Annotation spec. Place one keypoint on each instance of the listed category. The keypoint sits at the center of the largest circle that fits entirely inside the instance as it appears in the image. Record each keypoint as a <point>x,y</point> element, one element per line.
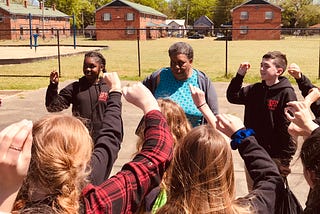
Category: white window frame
<point>106,17</point>
<point>243,30</point>
<point>268,15</point>
<point>130,16</point>
<point>1,17</point>
<point>130,31</point>
<point>244,15</point>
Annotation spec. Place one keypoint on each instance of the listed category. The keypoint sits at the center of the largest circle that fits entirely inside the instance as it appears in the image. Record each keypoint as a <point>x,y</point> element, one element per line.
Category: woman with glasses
<point>173,83</point>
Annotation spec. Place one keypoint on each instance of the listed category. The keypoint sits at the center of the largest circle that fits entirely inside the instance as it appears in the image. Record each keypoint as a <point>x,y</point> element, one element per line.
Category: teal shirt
<point>179,92</point>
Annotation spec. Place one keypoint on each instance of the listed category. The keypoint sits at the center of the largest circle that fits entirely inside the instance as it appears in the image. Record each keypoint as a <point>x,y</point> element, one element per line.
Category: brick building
<point>256,15</point>
<point>120,19</point>
<point>15,21</point>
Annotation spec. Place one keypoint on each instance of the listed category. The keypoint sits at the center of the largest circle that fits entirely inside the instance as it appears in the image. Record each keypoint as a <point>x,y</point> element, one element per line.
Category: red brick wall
<point>107,30</point>
<point>256,20</point>
<point>23,22</point>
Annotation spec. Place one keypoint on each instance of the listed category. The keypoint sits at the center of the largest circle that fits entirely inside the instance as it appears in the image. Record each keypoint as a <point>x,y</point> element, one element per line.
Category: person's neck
<point>272,82</point>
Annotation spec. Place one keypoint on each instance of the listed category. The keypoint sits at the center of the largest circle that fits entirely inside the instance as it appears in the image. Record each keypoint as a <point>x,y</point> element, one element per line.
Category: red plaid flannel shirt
<point>124,192</point>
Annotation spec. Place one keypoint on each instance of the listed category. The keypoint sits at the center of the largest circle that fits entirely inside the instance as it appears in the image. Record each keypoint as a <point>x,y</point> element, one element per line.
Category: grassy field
<point>209,56</point>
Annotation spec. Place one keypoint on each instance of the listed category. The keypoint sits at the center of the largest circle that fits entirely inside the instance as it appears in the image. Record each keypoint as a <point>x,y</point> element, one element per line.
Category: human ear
<point>279,71</point>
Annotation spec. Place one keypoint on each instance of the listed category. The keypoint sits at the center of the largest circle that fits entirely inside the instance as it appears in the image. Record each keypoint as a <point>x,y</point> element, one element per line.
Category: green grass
<point>209,56</point>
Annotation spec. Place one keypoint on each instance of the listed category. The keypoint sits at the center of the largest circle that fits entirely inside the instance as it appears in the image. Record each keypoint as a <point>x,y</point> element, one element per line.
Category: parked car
<point>221,36</point>
<point>196,36</point>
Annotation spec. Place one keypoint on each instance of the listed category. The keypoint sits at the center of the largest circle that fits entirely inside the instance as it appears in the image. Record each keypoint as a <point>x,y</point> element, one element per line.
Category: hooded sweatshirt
<point>264,113</point>
<point>88,101</point>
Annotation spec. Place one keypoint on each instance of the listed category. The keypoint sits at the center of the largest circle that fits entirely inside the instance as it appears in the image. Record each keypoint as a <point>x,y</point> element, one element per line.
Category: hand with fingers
<point>313,96</point>
<point>294,70</point>
<point>15,154</point>
<point>113,81</point>
<point>229,124</point>
<point>54,77</point>
<point>299,114</point>
<point>199,100</point>
<point>243,68</point>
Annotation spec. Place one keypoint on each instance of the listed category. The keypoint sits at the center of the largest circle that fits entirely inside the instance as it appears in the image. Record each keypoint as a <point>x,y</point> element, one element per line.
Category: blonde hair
<point>61,150</point>
<point>179,127</point>
<point>176,119</point>
<point>202,176</point>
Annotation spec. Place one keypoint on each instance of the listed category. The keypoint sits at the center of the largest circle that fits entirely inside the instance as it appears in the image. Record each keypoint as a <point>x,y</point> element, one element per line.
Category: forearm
<point>107,145</point>
<point>263,171</point>
<point>234,88</point>
<point>208,115</point>
<point>123,192</point>
<point>304,85</point>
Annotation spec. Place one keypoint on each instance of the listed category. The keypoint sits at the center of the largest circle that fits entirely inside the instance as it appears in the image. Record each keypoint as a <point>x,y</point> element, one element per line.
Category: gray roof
<point>139,7</point>
<point>19,9</point>
<point>255,2</point>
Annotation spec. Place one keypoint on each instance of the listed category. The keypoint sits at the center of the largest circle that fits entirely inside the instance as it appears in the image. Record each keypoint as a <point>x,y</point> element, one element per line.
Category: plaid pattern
<point>124,192</point>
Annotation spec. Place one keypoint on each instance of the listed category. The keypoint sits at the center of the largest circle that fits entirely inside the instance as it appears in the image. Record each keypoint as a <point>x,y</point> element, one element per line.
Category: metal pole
<point>319,59</point>
<point>59,62</point>
<point>138,41</point>
<point>74,32</point>
<point>30,29</point>
<point>43,36</point>
<point>226,53</point>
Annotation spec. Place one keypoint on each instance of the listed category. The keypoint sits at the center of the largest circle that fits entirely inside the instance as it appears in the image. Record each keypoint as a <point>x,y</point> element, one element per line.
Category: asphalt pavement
<point>18,105</point>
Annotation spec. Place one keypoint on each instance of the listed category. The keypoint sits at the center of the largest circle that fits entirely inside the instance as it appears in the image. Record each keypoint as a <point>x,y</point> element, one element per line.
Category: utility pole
<point>42,7</point>
<point>187,23</point>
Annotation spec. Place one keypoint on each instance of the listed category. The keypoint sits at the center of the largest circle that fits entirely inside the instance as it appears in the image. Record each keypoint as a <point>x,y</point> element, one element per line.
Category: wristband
<point>199,106</point>
<point>239,135</point>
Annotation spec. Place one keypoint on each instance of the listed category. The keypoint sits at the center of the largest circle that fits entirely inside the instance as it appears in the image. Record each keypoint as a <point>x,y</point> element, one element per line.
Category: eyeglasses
<point>178,64</point>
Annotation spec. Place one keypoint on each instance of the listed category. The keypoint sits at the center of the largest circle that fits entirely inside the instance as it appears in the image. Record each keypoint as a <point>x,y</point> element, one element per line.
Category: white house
<point>176,27</point>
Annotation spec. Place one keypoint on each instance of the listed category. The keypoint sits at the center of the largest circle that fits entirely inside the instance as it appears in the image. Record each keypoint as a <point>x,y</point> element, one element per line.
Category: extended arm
<point>124,192</point>
<point>263,171</point>
<point>199,100</point>
<point>235,91</point>
<point>110,136</point>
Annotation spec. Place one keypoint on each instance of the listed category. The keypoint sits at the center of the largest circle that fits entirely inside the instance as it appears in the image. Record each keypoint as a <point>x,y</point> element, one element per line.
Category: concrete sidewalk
<point>30,105</point>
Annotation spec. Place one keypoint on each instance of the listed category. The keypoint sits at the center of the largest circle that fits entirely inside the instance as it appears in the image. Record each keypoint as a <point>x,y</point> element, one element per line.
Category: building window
<point>244,15</point>
<point>130,17</point>
<point>130,30</point>
<point>243,29</point>
<point>269,15</point>
<point>1,17</point>
<point>106,17</point>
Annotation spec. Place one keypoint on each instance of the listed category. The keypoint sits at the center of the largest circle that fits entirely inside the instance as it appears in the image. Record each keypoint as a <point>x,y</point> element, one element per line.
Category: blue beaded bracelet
<point>239,135</point>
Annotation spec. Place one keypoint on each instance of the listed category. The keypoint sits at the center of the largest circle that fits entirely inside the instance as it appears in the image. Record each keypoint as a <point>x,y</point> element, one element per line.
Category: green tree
<point>190,10</point>
<point>221,11</point>
<point>299,13</point>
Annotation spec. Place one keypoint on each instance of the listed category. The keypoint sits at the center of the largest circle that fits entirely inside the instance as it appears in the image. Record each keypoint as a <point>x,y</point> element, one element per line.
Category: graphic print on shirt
<point>103,96</point>
<point>272,104</point>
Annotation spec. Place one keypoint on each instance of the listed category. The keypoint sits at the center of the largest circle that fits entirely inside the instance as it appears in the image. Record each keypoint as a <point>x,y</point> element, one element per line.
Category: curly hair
<point>181,48</point>
<point>59,164</point>
<point>100,58</point>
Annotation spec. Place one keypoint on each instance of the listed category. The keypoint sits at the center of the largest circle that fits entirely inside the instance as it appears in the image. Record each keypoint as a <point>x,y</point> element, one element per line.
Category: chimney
<point>25,3</point>
<point>54,7</point>
<point>8,3</point>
